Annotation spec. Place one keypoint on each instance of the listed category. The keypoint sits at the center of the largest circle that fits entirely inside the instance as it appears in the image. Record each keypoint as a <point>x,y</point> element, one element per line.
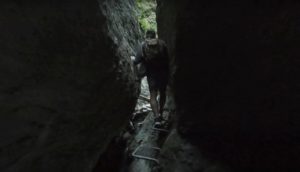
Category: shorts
<point>157,81</point>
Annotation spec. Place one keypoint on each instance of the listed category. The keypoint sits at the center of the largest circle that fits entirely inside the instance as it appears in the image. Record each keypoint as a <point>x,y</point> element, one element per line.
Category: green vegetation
<point>146,14</point>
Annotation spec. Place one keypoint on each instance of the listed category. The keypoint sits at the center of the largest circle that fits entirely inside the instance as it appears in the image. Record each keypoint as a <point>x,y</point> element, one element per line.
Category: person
<point>153,54</point>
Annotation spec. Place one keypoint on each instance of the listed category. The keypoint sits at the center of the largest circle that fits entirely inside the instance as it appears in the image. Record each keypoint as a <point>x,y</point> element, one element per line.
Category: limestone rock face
<point>67,84</point>
<point>236,84</point>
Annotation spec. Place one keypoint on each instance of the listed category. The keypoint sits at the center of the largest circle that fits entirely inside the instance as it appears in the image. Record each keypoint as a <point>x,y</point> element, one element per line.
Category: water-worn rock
<point>236,84</point>
<point>67,85</point>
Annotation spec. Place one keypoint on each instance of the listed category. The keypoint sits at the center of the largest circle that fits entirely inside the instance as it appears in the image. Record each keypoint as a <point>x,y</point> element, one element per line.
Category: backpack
<point>152,50</point>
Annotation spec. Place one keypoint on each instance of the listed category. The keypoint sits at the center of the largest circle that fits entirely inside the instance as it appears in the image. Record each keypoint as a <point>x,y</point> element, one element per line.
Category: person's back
<point>154,55</point>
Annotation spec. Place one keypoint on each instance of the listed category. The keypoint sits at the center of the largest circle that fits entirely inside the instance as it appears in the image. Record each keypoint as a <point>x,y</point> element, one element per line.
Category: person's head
<point>150,34</point>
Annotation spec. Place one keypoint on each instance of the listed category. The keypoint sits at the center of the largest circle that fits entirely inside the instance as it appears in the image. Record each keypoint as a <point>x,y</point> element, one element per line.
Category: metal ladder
<point>136,153</point>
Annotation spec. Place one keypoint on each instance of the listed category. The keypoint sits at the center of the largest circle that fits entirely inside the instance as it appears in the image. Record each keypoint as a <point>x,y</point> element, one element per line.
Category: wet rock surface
<point>66,80</point>
<point>235,86</point>
<point>145,144</point>
<point>144,140</point>
<point>143,102</point>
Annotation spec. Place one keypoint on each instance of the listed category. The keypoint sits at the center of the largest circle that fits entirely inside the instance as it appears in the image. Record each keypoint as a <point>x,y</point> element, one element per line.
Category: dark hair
<point>150,34</point>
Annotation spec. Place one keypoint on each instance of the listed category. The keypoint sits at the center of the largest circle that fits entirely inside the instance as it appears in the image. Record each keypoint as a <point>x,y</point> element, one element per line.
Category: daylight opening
<point>147,14</point>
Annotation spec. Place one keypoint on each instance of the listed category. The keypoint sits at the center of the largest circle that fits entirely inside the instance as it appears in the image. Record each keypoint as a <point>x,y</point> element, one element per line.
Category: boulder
<point>67,85</point>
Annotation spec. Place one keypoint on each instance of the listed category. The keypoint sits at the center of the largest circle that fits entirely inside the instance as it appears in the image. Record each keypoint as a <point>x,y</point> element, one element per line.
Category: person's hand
<point>132,58</point>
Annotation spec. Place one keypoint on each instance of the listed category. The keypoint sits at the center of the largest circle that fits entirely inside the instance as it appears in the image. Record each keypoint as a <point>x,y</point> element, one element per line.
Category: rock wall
<point>67,85</point>
<point>236,84</point>
<point>167,28</point>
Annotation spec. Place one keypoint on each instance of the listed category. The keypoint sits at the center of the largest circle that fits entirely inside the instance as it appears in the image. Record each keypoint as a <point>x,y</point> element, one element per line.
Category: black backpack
<point>152,51</point>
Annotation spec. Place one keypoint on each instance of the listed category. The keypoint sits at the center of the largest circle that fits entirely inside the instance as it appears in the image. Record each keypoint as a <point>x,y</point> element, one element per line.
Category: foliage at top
<point>146,14</point>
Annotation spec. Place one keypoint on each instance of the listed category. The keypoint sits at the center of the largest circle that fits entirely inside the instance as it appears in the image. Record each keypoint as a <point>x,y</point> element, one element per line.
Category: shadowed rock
<point>67,85</point>
<point>236,84</point>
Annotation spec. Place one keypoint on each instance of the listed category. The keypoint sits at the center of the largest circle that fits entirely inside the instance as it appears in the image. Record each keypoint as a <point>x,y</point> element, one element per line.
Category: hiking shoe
<point>158,121</point>
<point>157,124</point>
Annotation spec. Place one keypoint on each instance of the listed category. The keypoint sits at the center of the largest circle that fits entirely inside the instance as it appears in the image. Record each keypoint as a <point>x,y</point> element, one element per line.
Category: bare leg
<point>153,102</point>
<point>162,101</point>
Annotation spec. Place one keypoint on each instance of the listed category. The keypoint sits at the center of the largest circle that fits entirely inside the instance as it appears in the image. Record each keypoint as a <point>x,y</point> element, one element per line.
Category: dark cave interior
<point>68,86</point>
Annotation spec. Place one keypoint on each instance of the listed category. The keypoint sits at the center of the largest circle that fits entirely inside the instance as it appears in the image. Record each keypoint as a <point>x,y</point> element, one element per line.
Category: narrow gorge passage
<point>70,98</point>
